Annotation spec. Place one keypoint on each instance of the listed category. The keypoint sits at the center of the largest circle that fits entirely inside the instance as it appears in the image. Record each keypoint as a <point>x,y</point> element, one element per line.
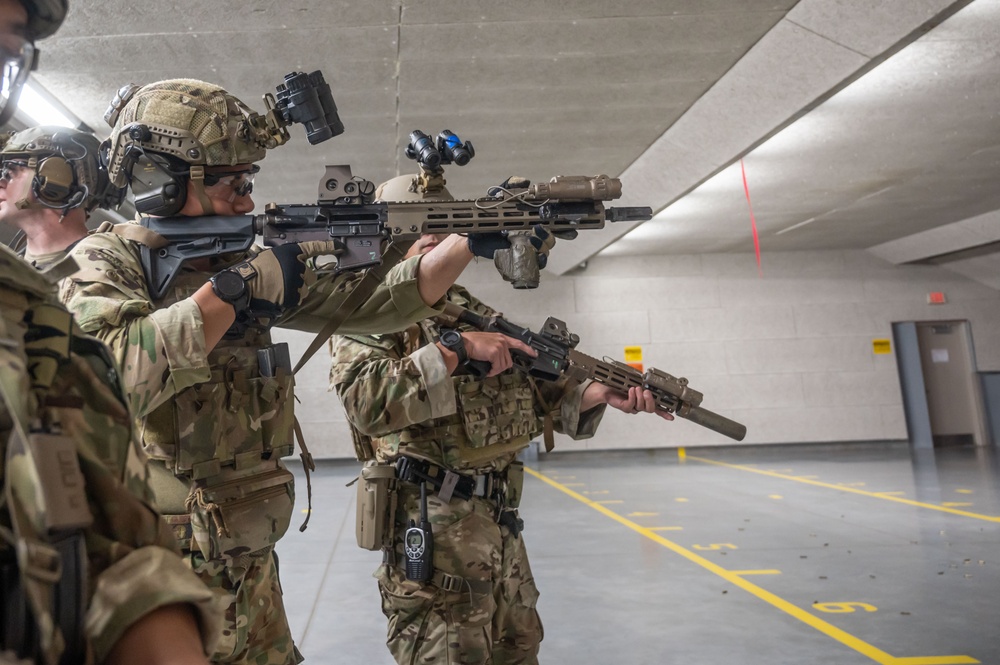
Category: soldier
<point>85,567</point>
<point>410,408</point>
<point>212,395</point>
<point>51,179</point>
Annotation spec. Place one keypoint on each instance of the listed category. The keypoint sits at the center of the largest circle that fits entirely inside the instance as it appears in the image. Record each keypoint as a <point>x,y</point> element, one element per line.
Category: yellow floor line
<point>876,495</point>
<point>735,579</point>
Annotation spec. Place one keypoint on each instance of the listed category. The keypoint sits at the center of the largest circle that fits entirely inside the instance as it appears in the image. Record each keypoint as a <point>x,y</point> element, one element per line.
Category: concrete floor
<point>833,554</point>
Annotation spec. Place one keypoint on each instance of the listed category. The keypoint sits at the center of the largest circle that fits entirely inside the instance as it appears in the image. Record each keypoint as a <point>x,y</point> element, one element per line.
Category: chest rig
<point>45,367</point>
<point>495,418</point>
<point>222,441</point>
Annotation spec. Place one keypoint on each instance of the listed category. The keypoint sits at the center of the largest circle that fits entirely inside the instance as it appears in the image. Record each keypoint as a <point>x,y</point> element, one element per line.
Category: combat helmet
<point>45,16</point>
<point>167,132</point>
<point>67,168</point>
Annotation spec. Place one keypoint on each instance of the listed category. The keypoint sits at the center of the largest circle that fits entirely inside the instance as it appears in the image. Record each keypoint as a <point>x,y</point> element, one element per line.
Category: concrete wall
<point>789,355</point>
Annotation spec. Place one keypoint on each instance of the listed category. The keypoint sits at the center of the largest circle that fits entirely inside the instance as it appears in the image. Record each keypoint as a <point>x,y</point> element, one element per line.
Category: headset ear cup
<point>54,180</point>
<point>157,189</point>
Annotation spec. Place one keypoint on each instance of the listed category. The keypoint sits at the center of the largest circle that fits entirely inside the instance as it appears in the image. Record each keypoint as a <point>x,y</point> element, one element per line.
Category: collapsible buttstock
<point>716,423</point>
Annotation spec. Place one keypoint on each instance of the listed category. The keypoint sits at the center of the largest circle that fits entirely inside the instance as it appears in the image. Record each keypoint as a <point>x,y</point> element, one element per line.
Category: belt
<point>447,482</point>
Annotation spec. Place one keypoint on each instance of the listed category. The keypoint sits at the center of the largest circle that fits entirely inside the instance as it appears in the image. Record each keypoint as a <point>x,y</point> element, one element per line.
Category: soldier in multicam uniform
<point>407,408</point>
<point>86,569</point>
<point>51,179</point>
<point>212,417</point>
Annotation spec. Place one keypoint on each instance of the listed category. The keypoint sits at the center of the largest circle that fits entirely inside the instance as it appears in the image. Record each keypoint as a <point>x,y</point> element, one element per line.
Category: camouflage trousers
<point>491,619</point>
<point>255,630</point>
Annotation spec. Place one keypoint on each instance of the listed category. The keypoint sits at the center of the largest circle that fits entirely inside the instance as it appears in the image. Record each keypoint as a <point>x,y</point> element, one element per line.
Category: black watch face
<point>451,338</point>
<point>229,286</point>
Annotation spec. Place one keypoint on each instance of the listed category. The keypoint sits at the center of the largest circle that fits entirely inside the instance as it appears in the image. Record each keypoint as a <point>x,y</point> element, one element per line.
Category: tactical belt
<point>448,483</point>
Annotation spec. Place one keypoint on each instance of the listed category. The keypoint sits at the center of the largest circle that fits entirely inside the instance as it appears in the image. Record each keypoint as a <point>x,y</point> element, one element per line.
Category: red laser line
<point>753,222</point>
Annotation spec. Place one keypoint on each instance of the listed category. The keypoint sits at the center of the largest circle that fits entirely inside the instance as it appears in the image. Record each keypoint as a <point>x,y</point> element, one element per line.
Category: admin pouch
<point>240,512</point>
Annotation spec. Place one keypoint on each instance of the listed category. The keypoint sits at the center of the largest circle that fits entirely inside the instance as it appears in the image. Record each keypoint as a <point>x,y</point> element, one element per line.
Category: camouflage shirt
<point>56,381</point>
<point>160,345</point>
<point>397,392</point>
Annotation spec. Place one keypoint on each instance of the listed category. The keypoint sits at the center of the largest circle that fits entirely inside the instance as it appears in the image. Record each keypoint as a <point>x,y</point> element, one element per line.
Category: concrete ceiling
<point>860,123</point>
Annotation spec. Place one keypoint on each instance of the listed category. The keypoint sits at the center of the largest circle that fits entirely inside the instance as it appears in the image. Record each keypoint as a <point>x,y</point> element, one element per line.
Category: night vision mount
<point>448,149</point>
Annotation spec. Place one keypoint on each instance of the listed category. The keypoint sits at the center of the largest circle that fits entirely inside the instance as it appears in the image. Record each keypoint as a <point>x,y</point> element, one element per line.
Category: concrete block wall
<point>788,354</point>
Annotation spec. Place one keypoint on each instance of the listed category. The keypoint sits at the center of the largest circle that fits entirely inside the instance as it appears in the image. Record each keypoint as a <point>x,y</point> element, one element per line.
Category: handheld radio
<point>418,544</point>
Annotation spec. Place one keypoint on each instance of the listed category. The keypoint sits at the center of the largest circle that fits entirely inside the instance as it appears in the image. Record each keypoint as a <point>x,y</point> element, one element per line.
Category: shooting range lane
<point>847,576</point>
<point>780,554</point>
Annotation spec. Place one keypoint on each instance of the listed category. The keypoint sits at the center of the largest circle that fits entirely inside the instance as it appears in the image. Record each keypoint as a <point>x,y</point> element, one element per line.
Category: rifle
<point>557,356</point>
<point>364,230</point>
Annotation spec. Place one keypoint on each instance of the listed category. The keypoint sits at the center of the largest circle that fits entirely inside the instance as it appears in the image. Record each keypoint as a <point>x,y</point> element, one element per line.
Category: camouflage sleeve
<point>383,391</point>
<point>395,304</point>
<point>160,351</point>
<point>134,566</point>
<point>144,580</point>
<point>562,401</point>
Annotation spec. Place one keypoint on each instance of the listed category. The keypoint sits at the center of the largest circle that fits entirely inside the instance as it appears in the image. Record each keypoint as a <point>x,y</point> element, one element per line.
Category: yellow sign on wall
<point>881,347</point>
<point>633,354</point>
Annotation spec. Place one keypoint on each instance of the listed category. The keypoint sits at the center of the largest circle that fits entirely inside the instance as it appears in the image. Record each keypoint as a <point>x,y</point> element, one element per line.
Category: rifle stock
<point>557,356</point>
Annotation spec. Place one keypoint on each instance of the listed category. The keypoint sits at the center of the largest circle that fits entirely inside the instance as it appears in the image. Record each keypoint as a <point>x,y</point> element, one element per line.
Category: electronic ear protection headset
<point>67,170</point>
<point>158,181</point>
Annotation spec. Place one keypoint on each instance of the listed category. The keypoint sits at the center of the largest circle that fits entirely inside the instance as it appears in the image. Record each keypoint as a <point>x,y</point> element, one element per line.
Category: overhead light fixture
<point>36,106</point>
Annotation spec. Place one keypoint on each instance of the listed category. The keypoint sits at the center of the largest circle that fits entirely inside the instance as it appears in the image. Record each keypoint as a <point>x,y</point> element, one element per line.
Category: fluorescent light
<point>41,111</point>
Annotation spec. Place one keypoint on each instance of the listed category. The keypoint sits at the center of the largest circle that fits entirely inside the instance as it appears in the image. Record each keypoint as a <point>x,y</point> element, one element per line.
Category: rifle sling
<point>359,294</point>
<point>135,233</point>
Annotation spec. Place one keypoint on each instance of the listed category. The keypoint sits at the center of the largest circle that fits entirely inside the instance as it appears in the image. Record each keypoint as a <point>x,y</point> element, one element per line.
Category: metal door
<point>949,372</point>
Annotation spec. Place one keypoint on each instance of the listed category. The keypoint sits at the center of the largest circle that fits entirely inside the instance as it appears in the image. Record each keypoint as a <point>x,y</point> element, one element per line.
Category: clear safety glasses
<point>17,57</point>
<point>10,167</point>
<point>241,182</point>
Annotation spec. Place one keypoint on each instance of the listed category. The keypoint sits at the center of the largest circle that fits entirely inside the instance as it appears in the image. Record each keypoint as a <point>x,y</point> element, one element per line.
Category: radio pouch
<point>376,507</point>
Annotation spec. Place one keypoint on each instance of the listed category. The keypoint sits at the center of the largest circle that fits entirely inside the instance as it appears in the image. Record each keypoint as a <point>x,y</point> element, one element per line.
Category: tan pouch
<point>515,484</point>
<point>243,514</point>
<point>376,506</point>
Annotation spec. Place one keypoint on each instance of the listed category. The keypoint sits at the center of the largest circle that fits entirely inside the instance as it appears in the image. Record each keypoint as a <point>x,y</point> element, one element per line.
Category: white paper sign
<point>939,355</point>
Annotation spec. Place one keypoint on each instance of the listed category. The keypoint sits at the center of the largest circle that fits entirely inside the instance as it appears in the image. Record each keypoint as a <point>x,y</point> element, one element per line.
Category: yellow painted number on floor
<point>843,608</point>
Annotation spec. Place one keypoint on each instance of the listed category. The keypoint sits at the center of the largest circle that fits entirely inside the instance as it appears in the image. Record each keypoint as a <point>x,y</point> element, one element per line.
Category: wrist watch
<point>231,288</point>
<point>452,340</point>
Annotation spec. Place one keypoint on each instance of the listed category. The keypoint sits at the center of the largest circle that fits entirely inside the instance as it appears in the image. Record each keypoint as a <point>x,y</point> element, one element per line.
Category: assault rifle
<point>557,356</point>
<point>365,230</point>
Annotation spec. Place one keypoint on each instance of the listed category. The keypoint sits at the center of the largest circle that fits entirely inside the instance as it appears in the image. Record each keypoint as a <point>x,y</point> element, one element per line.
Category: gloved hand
<point>487,244</point>
<point>278,277</point>
<point>540,239</point>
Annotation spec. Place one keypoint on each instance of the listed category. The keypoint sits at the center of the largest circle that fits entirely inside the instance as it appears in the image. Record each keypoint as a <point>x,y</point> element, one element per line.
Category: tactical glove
<point>277,278</point>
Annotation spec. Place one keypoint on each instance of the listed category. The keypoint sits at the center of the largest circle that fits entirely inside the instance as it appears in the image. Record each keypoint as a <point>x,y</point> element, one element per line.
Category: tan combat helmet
<point>413,188</point>
<point>67,168</point>
<point>167,132</point>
